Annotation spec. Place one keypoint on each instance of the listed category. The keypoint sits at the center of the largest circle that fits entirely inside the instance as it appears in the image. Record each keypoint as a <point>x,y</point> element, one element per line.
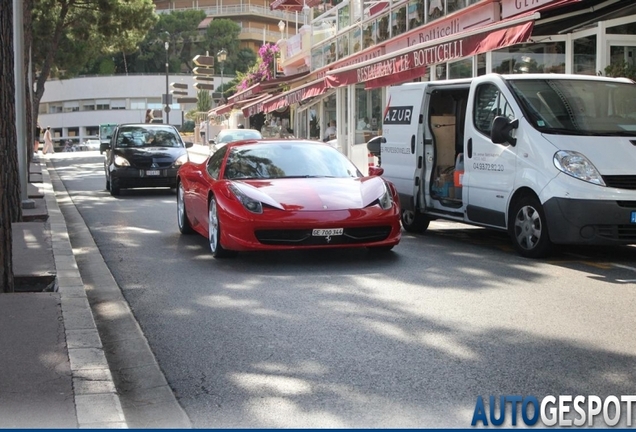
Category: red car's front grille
<point>303,237</point>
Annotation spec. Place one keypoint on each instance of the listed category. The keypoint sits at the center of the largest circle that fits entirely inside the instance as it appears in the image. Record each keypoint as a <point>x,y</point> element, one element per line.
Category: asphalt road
<point>348,339</point>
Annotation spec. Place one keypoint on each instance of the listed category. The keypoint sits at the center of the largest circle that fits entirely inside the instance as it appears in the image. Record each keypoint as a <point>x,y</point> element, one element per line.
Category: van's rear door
<point>401,127</point>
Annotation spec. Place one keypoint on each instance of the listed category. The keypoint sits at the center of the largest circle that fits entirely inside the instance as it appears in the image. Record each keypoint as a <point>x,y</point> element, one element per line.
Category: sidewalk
<point>54,372</point>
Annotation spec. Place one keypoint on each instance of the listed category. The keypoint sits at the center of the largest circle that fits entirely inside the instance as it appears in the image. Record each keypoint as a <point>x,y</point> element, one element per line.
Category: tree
<point>224,34</point>
<point>67,34</point>
<point>8,146</point>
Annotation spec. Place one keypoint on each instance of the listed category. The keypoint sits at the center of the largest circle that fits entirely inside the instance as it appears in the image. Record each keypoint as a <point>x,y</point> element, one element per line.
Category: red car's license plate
<point>327,232</point>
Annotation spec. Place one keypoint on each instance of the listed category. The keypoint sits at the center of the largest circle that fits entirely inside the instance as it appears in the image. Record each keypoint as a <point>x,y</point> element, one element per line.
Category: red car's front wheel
<point>214,233</point>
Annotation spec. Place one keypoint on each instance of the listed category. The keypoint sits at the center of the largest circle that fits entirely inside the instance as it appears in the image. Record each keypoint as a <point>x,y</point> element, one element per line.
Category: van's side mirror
<point>501,132</point>
<point>374,145</point>
<point>376,171</point>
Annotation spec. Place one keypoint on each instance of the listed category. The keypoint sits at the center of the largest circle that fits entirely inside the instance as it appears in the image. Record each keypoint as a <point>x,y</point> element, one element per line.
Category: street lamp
<point>167,100</point>
<point>221,56</point>
<point>281,27</point>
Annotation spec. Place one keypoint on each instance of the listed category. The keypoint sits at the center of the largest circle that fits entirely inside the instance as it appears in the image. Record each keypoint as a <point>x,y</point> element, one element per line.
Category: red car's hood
<point>315,194</point>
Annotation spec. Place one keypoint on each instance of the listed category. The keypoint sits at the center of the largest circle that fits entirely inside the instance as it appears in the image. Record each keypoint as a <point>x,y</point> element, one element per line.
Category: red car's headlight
<point>386,200</point>
<point>250,204</point>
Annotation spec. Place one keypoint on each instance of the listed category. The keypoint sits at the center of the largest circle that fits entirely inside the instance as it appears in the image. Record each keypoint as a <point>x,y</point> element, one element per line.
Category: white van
<point>549,158</point>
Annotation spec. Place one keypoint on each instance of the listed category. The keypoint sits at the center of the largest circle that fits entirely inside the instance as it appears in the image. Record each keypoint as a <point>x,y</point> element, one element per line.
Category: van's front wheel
<point>414,221</point>
<point>528,228</point>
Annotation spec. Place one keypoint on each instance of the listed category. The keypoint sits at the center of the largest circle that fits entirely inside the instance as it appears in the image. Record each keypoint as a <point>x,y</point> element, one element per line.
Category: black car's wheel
<point>115,189</point>
<point>214,233</point>
<point>414,221</point>
<point>182,215</point>
<point>528,228</point>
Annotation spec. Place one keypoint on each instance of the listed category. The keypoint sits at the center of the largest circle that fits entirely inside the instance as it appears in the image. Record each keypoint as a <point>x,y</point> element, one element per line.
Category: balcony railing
<point>232,10</point>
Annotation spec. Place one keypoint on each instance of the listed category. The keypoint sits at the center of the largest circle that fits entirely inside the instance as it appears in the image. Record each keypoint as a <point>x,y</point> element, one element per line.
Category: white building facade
<point>75,108</point>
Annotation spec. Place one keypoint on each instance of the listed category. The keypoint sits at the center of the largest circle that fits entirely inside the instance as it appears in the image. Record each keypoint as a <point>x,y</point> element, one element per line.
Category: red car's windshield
<point>287,160</point>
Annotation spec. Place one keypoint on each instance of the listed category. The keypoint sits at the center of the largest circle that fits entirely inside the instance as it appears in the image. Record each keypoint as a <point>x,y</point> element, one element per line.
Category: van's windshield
<point>578,106</point>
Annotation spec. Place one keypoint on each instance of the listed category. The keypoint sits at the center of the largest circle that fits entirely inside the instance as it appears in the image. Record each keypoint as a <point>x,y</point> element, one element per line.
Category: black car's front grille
<point>151,163</point>
<point>303,237</point>
<point>617,232</point>
<point>620,181</point>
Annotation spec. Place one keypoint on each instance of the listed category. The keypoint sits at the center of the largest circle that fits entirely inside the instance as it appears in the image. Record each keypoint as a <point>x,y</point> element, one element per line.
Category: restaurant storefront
<point>359,62</point>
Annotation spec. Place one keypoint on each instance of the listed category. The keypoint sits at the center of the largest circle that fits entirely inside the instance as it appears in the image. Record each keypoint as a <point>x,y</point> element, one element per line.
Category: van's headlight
<point>181,160</point>
<point>121,161</point>
<point>578,166</point>
<point>386,200</point>
<point>250,204</point>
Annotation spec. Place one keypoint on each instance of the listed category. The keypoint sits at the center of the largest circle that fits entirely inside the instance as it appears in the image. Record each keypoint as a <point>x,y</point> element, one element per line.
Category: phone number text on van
<point>488,167</point>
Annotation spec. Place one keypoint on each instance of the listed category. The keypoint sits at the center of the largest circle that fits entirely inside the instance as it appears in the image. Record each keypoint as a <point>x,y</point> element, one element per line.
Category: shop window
<point>530,58</point>
<point>435,10</point>
<point>317,58</point>
<point>481,64</point>
<point>343,46</point>
<point>329,53</point>
<point>355,41</point>
<point>383,29</point>
<point>585,55</point>
<point>415,13</point>
<point>368,35</point>
<point>455,5</point>
<point>626,29</point>
<point>398,21</point>
<point>461,69</point>
<point>343,17</point>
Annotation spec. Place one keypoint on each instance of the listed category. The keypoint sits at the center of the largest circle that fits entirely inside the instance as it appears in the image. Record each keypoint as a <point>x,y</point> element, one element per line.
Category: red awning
<point>264,86</point>
<point>411,62</point>
<point>296,95</point>
<point>255,105</point>
<point>293,5</point>
<point>222,109</point>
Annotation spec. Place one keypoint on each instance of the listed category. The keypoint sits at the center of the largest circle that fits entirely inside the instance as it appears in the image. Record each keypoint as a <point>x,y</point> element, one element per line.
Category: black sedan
<point>143,155</point>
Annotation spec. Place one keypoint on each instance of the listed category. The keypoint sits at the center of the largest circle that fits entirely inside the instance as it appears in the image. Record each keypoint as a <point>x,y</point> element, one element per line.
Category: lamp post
<point>221,56</point>
<point>281,27</point>
<point>167,96</point>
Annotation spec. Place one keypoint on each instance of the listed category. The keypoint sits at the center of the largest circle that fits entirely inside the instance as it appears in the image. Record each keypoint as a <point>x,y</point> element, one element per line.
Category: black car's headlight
<point>181,160</point>
<point>250,204</point>
<point>121,161</point>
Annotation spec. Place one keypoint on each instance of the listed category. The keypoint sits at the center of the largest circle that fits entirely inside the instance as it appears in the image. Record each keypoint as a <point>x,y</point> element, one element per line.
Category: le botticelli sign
<point>411,63</point>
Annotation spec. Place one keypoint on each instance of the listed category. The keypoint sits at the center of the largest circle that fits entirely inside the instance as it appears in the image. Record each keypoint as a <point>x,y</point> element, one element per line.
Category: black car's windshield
<point>287,160</point>
<point>578,106</point>
<point>147,136</point>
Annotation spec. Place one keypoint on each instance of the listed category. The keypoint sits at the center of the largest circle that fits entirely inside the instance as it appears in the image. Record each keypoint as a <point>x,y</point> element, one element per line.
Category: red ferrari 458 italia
<point>285,194</point>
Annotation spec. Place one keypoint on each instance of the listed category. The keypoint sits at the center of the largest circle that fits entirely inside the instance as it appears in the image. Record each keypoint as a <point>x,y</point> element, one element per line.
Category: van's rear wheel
<point>528,228</point>
<point>414,221</point>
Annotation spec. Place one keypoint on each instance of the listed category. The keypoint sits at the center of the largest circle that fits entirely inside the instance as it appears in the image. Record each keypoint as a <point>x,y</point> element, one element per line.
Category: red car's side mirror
<point>376,171</point>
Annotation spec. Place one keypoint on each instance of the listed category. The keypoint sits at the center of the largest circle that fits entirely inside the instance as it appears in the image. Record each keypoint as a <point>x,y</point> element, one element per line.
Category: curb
<point>146,398</point>
<point>97,403</point>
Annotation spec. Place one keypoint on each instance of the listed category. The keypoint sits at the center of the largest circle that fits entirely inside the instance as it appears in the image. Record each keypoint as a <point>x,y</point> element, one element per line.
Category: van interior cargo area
<point>447,113</point>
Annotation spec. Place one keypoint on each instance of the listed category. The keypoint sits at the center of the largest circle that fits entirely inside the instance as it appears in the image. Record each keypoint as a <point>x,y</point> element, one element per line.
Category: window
<point>118,104</point>
<point>55,108</point>
<point>88,106</point>
<point>137,104</point>
<point>71,106</point>
<point>102,104</point>
<point>585,55</point>
<point>214,164</point>
<point>490,103</point>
